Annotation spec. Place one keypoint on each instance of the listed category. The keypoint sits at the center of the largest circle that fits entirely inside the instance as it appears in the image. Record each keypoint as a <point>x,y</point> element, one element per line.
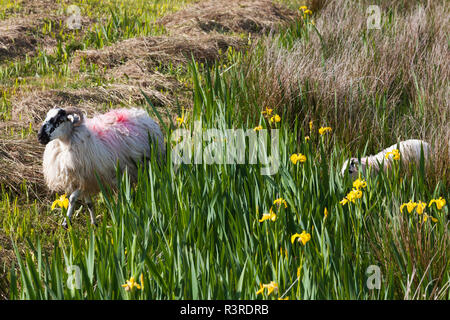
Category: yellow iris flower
<point>439,203</point>
<point>269,216</point>
<point>358,184</point>
<point>280,201</point>
<point>267,112</point>
<point>395,154</point>
<point>409,206</point>
<point>275,118</point>
<point>62,202</point>
<point>181,120</point>
<point>131,284</point>
<point>302,237</point>
<point>323,130</point>
<point>420,206</point>
<point>271,287</point>
<point>425,218</point>
<point>298,158</point>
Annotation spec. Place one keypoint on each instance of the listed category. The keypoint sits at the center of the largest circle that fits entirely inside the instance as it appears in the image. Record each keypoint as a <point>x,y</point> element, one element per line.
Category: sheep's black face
<point>353,167</point>
<point>55,117</point>
<point>350,166</point>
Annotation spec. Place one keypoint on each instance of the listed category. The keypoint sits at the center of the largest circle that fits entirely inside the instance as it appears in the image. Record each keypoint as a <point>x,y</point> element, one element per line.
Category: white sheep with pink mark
<point>79,149</point>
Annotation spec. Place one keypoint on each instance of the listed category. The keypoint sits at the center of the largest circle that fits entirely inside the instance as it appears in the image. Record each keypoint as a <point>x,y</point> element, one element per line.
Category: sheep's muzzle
<point>43,136</point>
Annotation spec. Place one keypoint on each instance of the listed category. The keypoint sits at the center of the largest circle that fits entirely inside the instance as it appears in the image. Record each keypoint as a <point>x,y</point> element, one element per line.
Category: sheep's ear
<point>75,119</point>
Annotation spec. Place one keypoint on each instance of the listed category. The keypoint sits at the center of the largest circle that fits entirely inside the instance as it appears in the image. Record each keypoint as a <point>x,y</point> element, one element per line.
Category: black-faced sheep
<point>409,152</point>
<point>79,149</point>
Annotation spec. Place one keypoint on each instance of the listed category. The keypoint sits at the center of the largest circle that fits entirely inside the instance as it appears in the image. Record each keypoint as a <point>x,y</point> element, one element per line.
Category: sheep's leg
<point>72,200</point>
<point>90,206</point>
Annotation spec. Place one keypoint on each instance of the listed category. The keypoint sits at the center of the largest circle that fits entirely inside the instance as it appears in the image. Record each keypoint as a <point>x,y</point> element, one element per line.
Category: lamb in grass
<point>80,149</point>
<point>409,152</point>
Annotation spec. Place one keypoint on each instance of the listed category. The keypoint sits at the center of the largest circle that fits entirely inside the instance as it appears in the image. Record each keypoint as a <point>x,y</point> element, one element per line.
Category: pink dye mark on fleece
<point>107,125</point>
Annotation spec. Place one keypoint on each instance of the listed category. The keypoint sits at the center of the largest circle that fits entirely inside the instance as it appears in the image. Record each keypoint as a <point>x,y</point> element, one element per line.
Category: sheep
<point>410,152</point>
<point>79,149</point>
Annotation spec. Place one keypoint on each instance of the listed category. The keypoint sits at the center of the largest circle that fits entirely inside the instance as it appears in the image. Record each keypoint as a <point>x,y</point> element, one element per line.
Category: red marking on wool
<point>102,124</point>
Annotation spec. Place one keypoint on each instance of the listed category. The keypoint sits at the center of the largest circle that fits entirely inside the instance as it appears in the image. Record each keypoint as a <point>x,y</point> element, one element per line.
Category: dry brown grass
<point>147,53</point>
<point>375,86</point>
<point>256,16</point>
<point>16,38</point>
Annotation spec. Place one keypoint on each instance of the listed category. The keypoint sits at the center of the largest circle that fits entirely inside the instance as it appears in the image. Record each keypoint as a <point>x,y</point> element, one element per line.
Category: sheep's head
<point>351,166</point>
<point>58,124</point>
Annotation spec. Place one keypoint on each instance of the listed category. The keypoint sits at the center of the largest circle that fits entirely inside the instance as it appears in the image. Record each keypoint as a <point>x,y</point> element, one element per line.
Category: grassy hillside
<point>197,231</point>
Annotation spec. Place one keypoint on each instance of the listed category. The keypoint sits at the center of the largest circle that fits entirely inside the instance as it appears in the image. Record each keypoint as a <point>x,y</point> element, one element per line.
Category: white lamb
<point>410,152</point>
<point>79,150</point>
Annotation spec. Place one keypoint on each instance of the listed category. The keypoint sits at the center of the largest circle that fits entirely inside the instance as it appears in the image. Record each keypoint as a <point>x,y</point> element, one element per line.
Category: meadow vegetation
<point>333,89</point>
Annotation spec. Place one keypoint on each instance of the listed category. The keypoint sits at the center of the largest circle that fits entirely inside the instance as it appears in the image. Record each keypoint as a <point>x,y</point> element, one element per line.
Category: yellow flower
<point>303,8</point>
<point>420,206</point>
<point>181,120</point>
<point>62,202</point>
<point>261,289</point>
<point>425,218</point>
<point>141,278</point>
<point>409,206</point>
<point>325,212</point>
<point>275,118</point>
<point>323,130</point>
<point>257,128</point>
<point>280,201</point>
<point>298,272</point>
<point>269,216</point>
<point>298,158</point>
<point>302,237</point>
<point>267,112</point>
<point>395,154</point>
<point>271,287</point>
<point>310,126</point>
<point>307,12</point>
<point>353,195</point>
<point>343,201</point>
<point>439,203</point>
<point>307,138</point>
<point>287,298</point>
<point>131,284</point>
<point>358,183</point>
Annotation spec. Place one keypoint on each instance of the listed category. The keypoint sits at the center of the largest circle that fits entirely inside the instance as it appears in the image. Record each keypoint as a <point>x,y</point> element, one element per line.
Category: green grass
<point>194,233</point>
